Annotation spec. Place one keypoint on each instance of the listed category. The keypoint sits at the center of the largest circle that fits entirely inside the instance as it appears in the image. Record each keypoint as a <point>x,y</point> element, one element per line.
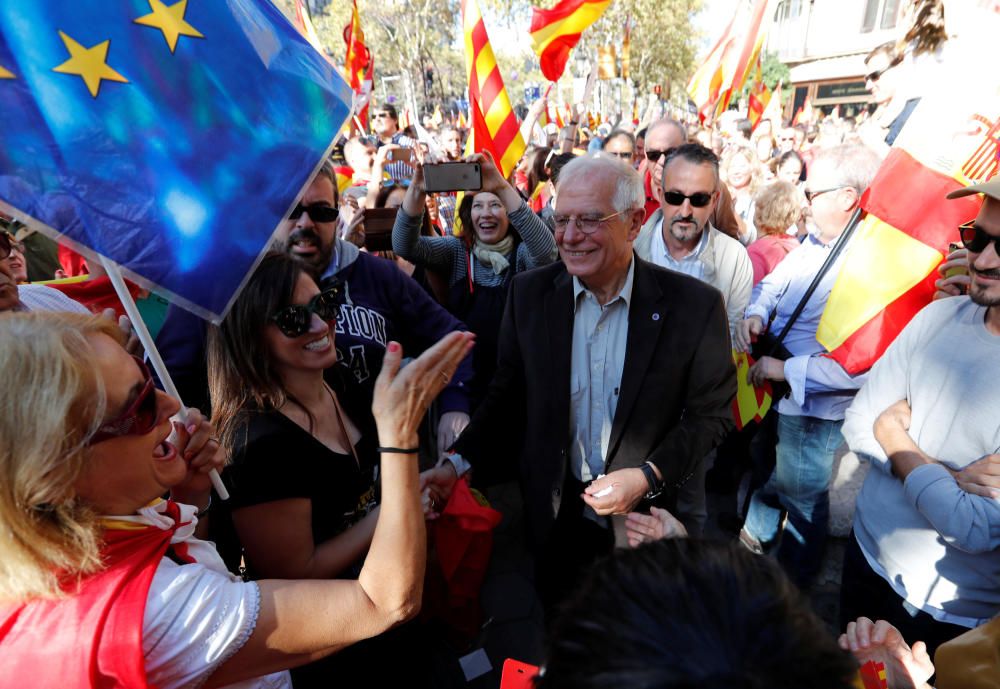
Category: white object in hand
<point>603,491</point>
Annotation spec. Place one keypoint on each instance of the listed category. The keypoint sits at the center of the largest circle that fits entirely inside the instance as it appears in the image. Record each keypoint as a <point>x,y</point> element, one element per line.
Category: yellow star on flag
<point>5,73</point>
<point>88,63</point>
<point>170,20</point>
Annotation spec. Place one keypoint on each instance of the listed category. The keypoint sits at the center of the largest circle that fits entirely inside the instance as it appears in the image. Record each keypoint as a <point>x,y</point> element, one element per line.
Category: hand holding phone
<point>440,177</point>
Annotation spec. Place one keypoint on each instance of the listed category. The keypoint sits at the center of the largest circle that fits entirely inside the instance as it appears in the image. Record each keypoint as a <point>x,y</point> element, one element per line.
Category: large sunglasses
<point>141,416</point>
<point>652,155</point>
<point>699,199</point>
<point>295,320</point>
<point>976,239</point>
<point>317,212</point>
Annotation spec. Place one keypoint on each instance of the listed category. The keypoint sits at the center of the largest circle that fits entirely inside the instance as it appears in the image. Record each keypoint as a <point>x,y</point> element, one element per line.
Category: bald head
<point>661,136</point>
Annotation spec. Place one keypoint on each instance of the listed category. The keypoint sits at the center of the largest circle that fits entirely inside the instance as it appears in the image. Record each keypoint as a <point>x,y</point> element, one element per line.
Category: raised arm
<point>438,253</point>
<point>300,621</point>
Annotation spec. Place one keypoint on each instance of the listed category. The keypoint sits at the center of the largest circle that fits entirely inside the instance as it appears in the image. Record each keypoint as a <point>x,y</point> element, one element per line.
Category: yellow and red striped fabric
<point>494,125</point>
<point>751,403</point>
<point>357,53</point>
<point>890,266</point>
<point>555,32</point>
<point>760,96</point>
<point>725,70</point>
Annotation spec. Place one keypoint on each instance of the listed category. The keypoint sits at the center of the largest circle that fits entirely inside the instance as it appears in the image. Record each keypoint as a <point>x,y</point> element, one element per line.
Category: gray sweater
<point>936,545</point>
<point>449,255</point>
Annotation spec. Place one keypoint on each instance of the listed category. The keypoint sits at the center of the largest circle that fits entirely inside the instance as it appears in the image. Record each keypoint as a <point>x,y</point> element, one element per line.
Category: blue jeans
<point>800,485</point>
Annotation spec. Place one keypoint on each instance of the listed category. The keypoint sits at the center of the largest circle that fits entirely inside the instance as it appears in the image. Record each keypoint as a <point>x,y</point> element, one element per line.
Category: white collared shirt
<point>689,265</point>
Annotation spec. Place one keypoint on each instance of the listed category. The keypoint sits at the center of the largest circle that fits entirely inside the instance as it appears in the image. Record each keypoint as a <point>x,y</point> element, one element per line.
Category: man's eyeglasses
<point>624,155</point>
<point>810,195</point>
<point>699,199</point>
<point>652,155</point>
<point>294,320</point>
<point>976,239</point>
<point>317,212</point>
<point>139,419</point>
<point>5,246</point>
<point>381,115</point>
<point>587,224</point>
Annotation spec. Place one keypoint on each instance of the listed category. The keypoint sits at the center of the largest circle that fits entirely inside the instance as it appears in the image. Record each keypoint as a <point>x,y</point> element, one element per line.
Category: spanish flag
<point>891,264</point>
<point>555,32</point>
<point>494,125</point>
<point>751,403</point>
<point>725,70</point>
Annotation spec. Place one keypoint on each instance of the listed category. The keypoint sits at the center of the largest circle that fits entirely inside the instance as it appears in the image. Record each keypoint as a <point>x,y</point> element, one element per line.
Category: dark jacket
<point>677,387</point>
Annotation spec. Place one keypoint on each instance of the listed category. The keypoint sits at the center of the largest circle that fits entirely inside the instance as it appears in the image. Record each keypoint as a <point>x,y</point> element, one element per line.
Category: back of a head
<point>686,614</point>
<point>557,163</point>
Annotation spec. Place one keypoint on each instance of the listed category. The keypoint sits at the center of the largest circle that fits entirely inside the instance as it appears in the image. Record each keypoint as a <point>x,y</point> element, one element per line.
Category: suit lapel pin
<point>656,316</point>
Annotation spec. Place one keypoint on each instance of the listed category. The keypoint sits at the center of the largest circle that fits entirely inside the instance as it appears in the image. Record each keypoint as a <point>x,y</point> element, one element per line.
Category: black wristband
<point>397,450</point>
<point>654,485</point>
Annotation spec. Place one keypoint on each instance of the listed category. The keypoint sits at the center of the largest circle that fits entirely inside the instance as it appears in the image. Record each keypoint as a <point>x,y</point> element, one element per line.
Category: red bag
<point>461,540</point>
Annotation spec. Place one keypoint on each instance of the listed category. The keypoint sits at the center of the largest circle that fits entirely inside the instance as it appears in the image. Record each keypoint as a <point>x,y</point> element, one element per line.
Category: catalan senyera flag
<point>751,403</point>
<point>494,125</point>
<point>890,266</point>
<point>356,60</point>
<point>760,96</point>
<point>729,63</point>
<point>558,118</point>
<point>555,32</point>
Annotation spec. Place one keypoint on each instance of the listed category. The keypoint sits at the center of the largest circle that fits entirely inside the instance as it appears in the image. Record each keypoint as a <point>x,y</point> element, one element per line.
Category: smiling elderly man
<point>615,379</point>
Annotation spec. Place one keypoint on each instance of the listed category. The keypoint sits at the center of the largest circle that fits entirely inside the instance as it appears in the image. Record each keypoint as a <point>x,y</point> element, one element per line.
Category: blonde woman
<point>743,174</point>
<point>113,578</point>
<point>776,209</point>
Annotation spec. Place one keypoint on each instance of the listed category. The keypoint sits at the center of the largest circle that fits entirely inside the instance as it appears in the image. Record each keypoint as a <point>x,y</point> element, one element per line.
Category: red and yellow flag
<point>730,62</point>
<point>891,264</point>
<point>356,61</point>
<point>306,27</point>
<point>495,127</point>
<point>760,96</point>
<point>555,32</point>
<point>751,403</point>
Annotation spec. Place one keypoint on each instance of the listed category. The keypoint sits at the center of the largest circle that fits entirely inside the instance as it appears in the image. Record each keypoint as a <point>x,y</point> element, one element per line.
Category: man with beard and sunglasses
<point>662,136</point>
<point>925,551</point>
<point>680,235</point>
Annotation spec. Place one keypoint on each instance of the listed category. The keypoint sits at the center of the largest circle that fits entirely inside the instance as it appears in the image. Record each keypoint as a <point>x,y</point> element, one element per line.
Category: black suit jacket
<point>674,405</point>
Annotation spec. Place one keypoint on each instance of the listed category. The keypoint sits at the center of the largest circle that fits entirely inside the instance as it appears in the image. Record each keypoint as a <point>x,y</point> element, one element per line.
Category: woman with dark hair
<point>303,475</point>
<point>500,237</point>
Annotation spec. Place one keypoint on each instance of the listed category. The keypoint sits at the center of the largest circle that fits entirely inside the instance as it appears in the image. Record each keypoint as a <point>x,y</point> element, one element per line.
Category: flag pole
<point>115,275</point>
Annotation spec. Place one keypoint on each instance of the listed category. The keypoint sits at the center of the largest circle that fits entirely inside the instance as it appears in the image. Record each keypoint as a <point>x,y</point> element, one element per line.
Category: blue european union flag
<point>171,136</point>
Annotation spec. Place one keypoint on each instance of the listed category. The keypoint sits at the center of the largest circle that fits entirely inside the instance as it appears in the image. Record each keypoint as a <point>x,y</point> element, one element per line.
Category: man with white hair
<point>614,380</point>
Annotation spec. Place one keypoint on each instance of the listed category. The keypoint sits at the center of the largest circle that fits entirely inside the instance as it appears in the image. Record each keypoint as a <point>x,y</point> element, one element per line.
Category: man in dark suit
<point>615,378</point>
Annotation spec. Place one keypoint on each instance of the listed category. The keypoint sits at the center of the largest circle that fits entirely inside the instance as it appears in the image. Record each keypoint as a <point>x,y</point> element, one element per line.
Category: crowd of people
<point>570,327</point>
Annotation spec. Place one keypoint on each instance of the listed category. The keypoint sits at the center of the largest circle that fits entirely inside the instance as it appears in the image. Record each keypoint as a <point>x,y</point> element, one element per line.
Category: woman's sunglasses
<point>295,320</point>
<point>140,417</point>
<point>976,239</point>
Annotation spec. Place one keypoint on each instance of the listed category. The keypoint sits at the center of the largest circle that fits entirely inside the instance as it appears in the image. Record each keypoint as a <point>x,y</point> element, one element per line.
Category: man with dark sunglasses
<point>885,80</point>
<point>662,136</point>
<point>925,552</point>
<point>680,235</point>
<point>385,123</point>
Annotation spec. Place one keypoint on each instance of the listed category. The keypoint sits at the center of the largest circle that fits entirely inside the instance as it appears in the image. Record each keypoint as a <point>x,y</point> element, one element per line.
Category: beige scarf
<point>494,254</point>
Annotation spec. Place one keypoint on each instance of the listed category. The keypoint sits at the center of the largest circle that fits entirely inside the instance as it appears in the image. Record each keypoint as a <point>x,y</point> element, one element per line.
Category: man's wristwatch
<point>655,485</point>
